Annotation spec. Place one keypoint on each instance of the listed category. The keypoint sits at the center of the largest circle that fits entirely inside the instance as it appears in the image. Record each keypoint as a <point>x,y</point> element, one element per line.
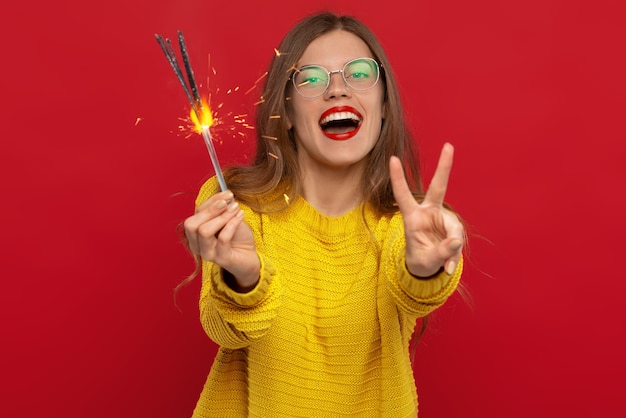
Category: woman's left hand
<point>434,234</point>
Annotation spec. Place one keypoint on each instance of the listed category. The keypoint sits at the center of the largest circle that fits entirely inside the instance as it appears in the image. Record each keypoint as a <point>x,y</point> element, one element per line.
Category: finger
<point>227,233</point>
<point>436,192</point>
<point>190,227</point>
<point>194,222</point>
<point>215,245</point>
<point>212,227</point>
<point>450,264</point>
<point>399,186</point>
<point>225,196</point>
<point>207,223</point>
<point>450,252</point>
<point>209,209</point>
<point>454,241</point>
<point>453,226</point>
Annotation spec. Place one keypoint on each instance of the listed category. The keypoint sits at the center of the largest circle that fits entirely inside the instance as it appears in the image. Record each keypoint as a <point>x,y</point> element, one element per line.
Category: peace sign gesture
<point>434,234</point>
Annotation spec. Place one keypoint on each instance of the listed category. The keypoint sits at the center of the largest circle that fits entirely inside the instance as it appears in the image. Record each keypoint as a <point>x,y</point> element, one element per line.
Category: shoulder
<point>208,189</point>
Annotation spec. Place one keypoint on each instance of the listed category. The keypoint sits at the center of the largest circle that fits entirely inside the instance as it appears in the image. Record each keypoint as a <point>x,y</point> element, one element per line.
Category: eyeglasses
<point>313,80</point>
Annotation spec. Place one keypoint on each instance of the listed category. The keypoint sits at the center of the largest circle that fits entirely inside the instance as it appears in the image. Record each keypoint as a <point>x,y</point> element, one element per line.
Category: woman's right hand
<point>217,233</point>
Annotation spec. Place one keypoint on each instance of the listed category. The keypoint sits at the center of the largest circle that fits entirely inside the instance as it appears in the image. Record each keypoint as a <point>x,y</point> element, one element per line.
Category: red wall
<point>95,178</point>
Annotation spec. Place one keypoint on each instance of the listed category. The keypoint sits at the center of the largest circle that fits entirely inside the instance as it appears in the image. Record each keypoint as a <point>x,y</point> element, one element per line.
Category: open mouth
<point>341,122</point>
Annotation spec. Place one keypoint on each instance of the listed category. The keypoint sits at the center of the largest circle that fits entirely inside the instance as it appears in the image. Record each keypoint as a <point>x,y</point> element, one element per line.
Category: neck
<point>333,191</point>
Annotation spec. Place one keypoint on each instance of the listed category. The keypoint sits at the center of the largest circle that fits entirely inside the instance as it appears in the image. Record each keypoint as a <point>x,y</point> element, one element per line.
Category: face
<point>340,127</point>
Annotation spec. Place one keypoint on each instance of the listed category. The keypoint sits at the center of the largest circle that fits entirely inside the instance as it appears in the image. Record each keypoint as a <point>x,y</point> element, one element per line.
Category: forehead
<point>332,50</point>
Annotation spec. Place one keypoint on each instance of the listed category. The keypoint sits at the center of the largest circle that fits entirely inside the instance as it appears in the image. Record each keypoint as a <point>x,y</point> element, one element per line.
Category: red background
<point>531,93</point>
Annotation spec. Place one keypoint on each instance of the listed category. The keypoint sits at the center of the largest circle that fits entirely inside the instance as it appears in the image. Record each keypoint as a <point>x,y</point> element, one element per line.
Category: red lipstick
<point>341,113</point>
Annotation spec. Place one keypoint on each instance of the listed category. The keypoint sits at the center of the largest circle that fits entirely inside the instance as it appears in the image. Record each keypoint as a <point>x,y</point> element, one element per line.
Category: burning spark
<point>275,117</point>
<point>273,155</point>
<point>254,86</point>
<point>206,118</point>
<point>137,121</point>
<point>261,78</point>
<point>273,138</point>
<point>279,53</point>
<point>286,198</point>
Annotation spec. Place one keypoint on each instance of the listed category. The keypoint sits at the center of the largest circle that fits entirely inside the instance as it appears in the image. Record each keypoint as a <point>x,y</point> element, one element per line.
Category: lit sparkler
<point>201,112</point>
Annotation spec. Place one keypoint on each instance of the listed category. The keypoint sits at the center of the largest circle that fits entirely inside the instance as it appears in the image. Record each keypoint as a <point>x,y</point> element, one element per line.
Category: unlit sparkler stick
<point>192,96</point>
<point>190,76</point>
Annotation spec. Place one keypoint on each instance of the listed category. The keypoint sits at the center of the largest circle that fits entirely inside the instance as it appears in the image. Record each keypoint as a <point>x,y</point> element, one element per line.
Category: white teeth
<point>339,116</point>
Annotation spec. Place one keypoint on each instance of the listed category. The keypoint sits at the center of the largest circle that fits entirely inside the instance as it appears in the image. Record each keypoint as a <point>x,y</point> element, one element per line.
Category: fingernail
<point>220,204</point>
<point>233,206</point>
<point>451,267</point>
<point>456,244</point>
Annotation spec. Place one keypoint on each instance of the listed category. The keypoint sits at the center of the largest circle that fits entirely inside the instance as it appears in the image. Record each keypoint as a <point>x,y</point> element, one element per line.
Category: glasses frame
<point>343,76</point>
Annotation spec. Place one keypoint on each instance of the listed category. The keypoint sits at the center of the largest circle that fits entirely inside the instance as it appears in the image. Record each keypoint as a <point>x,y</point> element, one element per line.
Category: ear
<point>288,121</point>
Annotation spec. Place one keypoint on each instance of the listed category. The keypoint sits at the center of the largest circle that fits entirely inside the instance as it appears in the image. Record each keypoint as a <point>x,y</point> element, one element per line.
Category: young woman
<point>322,254</point>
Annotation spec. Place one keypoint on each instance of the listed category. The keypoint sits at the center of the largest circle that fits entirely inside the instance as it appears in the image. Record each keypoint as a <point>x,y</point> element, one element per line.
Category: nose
<point>337,86</point>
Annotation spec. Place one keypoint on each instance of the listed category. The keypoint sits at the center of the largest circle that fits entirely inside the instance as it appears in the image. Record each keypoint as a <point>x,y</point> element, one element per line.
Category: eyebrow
<point>320,65</point>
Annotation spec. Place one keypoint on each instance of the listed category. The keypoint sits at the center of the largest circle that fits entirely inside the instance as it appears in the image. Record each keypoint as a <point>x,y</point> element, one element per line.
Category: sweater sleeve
<point>234,320</point>
<point>413,295</point>
<point>231,319</point>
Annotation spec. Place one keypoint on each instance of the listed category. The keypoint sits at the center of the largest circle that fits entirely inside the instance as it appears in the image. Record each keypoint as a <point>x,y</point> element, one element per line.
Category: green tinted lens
<point>361,73</point>
<point>311,80</point>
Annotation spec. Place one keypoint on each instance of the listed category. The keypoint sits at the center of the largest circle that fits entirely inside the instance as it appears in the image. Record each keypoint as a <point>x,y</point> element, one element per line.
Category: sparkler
<point>203,115</point>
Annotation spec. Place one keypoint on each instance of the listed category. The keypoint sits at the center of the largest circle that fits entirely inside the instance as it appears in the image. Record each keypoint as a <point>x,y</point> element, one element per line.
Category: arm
<point>233,319</point>
<point>434,235</point>
<point>240,292</point>
<point>426,251</point>
<point>413,295</point>
<point>217,233</point>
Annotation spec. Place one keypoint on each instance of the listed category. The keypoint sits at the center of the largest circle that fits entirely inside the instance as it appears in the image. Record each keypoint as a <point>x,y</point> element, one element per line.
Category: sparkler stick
<point>166,46</point>
<point>192,96</point>
<point>192,79</point>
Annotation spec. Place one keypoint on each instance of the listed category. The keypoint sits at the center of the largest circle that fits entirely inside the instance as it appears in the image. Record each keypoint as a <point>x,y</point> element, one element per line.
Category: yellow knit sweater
<point>326,331</point>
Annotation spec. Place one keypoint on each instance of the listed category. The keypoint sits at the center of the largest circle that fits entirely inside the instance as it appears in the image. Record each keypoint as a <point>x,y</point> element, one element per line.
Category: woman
<point>319,260</point>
